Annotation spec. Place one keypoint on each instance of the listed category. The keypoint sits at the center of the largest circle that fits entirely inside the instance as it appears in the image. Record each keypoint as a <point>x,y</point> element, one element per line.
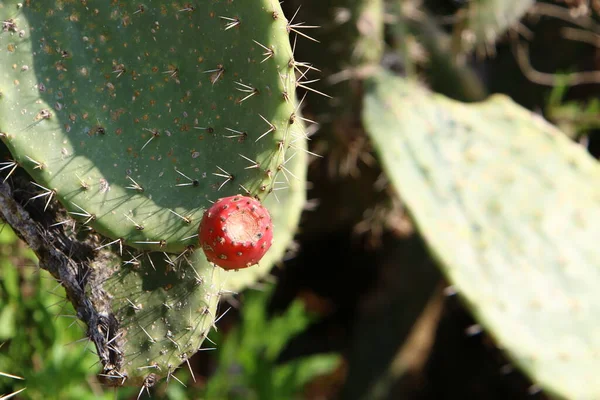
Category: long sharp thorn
<point>4,374</point>
<point>254,163</point>
<point>268,52</point>
<point>225,175</point>
<point>13,394</point>
<point>151,262</point>
<point>187,360</point>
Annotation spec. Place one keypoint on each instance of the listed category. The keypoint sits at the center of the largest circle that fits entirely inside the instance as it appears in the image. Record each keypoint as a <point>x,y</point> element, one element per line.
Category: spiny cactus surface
<point>136,116</point>
<point>510,209</point>
<point>161,310</point>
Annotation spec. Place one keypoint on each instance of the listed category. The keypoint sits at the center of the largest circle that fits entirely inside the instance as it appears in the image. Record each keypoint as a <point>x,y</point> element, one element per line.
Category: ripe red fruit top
<point>236,232</point>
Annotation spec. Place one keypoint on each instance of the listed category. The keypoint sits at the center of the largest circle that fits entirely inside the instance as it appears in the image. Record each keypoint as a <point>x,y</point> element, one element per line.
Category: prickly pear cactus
<point>136,117</point>
<point>510,209</point>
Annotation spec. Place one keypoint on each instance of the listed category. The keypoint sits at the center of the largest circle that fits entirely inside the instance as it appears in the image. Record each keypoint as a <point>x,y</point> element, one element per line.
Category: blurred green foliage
<point>247,359</point>
<point>576,118</point>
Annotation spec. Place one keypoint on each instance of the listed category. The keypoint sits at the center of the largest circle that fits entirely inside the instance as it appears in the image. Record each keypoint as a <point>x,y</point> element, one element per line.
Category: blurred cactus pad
<point>137,116</point>
<point>505,203</point>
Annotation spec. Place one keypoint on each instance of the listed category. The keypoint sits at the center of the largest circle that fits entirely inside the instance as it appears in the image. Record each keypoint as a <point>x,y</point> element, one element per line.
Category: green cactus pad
<point>164,311</point>
<point>136,116</point>
<point>511,209</point>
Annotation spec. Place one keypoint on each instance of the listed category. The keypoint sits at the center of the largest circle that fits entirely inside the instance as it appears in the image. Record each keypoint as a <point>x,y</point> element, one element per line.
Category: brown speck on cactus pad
<point>236,232</point>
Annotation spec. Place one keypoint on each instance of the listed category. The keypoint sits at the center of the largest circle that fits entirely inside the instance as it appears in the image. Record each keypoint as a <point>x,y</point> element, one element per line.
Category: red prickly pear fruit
<point>235,232</point>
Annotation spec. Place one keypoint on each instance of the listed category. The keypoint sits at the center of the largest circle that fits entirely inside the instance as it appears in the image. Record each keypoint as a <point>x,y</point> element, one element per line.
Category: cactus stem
<point>269,52</point>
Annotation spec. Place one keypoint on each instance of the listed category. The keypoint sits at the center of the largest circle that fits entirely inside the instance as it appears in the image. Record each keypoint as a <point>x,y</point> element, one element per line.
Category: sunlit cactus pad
<point>137,115</point>
<point>511,210</point>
